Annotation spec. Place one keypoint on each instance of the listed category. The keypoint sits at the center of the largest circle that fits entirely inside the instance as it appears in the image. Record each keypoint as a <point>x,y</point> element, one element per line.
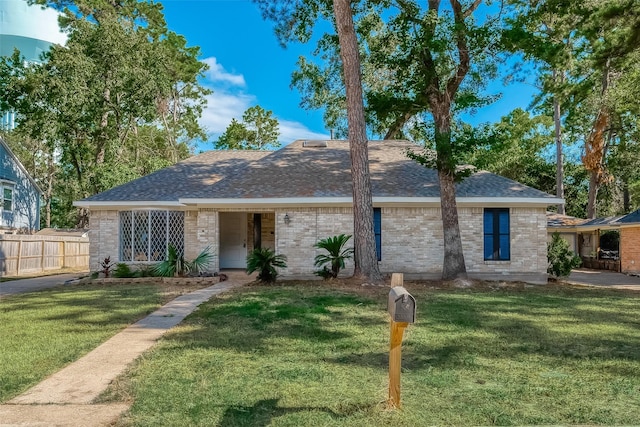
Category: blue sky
<point>248,67</point>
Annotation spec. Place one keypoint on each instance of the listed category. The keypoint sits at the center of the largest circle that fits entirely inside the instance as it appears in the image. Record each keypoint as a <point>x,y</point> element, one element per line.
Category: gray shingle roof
<point>632,218</point>
<point>296,171</point>
<point>555,219</point>
<point>609,220</point>
<point>184,179</point>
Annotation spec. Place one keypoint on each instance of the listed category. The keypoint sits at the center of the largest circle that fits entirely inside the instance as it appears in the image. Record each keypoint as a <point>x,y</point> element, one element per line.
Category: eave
<point>290,202</point>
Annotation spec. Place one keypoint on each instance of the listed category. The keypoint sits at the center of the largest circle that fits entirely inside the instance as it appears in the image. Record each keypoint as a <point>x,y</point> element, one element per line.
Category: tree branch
<point>460,30</point>
<point>471,8</point>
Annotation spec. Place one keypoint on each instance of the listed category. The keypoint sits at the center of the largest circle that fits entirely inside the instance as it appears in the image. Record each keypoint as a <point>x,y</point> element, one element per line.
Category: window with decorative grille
<point>145,236</point>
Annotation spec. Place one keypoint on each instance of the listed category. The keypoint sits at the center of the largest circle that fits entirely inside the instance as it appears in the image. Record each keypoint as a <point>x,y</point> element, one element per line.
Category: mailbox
<point>401,305</point>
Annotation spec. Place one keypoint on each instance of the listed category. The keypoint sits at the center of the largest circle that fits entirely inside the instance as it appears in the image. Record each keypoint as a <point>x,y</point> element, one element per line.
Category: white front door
<point>233,240</point>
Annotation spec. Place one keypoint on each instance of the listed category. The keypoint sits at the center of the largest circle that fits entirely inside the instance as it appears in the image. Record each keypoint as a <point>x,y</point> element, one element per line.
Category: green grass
<point>43,331</point>
<point>314,356</point>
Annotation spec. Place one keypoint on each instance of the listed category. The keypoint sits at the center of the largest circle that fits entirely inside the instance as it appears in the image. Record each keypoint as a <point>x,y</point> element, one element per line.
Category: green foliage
<point>176,265</point>
<point>418,63</point>
<point>560,258</point>
<point>201,262</point>
<point>325,273</point>
<point>146,270</point>
<point>123,270</point>
<point>409,56</point>
<point>335,256</point>
<point>119,100</point>
<point>585,55</point>
<point>258,130</point>
<point>265,261</point>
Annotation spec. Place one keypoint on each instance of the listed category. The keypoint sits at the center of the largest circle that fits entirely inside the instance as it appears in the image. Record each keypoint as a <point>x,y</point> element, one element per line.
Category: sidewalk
<point>603,278</point>
<point>18,286</point>
<point>64,399</point>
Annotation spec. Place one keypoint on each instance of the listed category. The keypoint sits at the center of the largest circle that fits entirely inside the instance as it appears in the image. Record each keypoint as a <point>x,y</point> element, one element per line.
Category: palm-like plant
<point>336,255</point>
<point>265,261</point>
<point>175,264</point>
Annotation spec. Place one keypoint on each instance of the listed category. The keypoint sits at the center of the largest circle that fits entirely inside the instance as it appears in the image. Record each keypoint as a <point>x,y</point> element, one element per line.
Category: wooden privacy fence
<point>29,254</point>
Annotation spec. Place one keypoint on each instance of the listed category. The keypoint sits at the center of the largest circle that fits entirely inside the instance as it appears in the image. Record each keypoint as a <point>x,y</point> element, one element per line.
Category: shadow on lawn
<point>453,328</point>
<point>81,304</point>
<point>561,326</point>
<point>263,412</point>
<point>244,322</point>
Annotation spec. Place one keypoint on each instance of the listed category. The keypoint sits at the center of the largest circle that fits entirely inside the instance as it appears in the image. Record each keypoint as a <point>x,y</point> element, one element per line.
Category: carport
<point>585,237</point>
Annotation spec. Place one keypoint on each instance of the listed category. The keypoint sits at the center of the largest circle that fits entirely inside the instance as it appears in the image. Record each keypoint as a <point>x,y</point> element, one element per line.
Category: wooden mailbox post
<point>402,309</point>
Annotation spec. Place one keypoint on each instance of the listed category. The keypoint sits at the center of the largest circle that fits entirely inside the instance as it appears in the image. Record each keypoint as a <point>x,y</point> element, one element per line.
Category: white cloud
<point>223,106</point>
<point>229,101</point>
<point>217,73</point>
<point>291,131</point>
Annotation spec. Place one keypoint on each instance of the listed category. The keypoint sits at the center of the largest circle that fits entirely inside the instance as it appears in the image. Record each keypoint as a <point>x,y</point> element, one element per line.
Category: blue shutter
<point>377,231</point>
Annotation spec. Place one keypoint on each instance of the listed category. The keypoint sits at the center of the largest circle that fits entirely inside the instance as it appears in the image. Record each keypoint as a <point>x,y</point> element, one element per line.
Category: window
<point>496,234</point>
<point>146,235</point>
<point>377,231</point>
<point>7,198</point>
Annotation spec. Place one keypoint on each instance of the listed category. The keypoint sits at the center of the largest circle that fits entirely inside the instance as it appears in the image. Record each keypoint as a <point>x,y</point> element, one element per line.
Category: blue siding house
<point>19,194</point>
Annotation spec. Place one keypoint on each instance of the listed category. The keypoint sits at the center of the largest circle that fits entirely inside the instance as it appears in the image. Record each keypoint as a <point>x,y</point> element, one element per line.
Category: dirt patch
<point>169,289</point>
<point>472,285</point>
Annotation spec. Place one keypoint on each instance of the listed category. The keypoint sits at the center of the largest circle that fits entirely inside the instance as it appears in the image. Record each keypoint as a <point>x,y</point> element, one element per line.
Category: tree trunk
<point>595,147</point>
<point>453,263</point>
<point>626,197</point>
<point>49,192</point>
<point>365,259</point>
<point>594,186</point>
<point>559,159</point>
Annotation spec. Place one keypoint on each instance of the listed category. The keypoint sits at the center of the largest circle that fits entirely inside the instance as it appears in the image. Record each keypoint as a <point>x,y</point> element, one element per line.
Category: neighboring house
<point>584,238</point>
<point>233,201</point>
<point>19,194</point>
<point>566,226</point>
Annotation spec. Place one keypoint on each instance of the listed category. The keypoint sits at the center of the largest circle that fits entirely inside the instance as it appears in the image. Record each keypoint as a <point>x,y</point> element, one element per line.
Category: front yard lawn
<point>317,355</point>
<point>43,331</point>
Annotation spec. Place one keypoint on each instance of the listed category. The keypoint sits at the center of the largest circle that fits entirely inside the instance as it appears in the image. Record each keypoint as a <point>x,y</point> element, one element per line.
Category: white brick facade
<point>412,239</point>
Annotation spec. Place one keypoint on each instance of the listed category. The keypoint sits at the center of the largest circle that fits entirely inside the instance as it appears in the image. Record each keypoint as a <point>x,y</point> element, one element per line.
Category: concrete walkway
<point>19,286</point>
<point>603,278</point>
<point>64,399</point>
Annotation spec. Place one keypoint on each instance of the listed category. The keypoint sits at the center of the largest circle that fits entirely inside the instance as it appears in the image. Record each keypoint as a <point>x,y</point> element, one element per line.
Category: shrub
<point>123,270</point>
<point>325,273</point>
<point>265,261</point>
<point>560,258</point>
<point>106,265</point>
<point>336,255</point>
<point>176,265</point>
<point>146,270</point>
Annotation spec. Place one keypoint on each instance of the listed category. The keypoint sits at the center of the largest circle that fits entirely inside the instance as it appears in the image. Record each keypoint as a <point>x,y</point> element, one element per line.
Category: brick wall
<point>305,228</point>
<point>528,245</point>
<point>630,250</point>
<point>412,239</point>
<point>104,237</point>
<point>206,234</point>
